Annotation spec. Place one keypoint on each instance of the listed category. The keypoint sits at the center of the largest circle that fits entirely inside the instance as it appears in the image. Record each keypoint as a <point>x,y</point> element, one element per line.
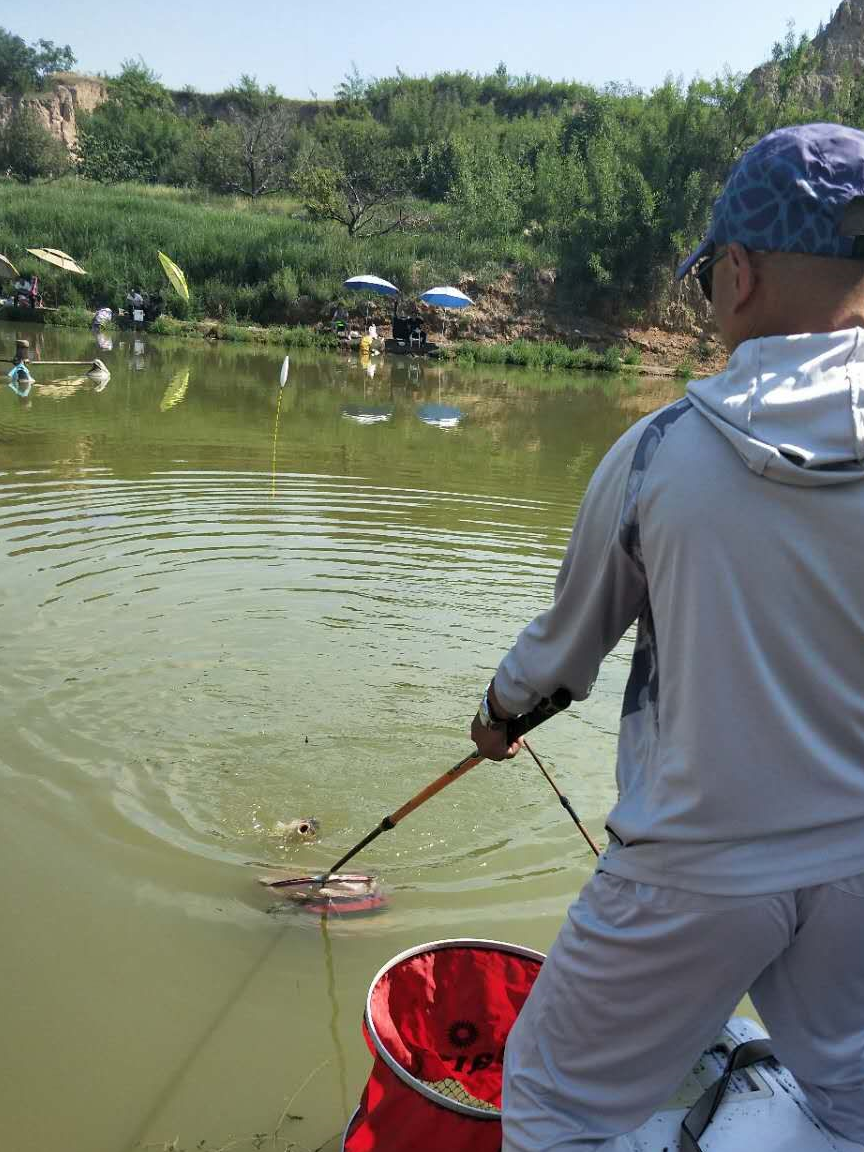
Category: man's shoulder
<point>635,449</point>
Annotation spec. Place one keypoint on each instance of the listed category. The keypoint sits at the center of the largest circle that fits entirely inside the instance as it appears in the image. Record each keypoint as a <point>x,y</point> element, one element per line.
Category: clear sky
<point>307,46</point>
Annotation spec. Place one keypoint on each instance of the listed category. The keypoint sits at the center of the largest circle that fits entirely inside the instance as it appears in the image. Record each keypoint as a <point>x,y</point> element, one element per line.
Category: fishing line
<point>565,803</point>
<point>543,711</point>
<point>341,1063</point>
<point>173,1083</point>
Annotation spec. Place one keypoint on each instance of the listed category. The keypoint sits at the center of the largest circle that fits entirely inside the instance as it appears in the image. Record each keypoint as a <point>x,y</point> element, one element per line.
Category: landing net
<point>436,1021</point>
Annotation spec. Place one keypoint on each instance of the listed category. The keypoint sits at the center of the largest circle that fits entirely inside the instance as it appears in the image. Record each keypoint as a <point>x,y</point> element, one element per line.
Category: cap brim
<point>703,250</point>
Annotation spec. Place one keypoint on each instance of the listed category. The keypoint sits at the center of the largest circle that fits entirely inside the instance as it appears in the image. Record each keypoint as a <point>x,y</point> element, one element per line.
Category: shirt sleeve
<point>599,592</point>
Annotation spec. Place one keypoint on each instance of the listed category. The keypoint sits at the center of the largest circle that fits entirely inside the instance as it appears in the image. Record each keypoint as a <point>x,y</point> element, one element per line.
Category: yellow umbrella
<point>175,275</point>
<point>58,259</point>
<point>8,271</point>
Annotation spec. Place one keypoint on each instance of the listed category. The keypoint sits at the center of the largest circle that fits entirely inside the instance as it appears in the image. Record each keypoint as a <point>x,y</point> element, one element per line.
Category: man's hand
<point>492,742</point>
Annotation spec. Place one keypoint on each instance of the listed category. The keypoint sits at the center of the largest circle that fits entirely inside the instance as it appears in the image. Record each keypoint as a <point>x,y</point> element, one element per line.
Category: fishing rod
<point>565,803</point>
<point>516,728</point>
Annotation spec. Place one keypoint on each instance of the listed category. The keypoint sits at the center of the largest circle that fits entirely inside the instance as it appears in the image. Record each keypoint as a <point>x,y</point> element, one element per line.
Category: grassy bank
<point>261,262</point>
<point>546,355</point>
<point>282,335</point>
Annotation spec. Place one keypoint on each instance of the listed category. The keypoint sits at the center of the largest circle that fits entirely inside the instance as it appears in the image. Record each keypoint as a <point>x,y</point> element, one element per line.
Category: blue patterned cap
<point>789,193</point>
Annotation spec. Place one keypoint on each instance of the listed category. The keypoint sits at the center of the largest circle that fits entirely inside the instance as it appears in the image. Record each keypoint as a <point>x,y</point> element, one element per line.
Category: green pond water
<point>221,607</point>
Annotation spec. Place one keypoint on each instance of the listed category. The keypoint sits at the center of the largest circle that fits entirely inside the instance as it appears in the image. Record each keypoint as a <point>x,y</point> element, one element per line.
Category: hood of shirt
<point>792,406</point>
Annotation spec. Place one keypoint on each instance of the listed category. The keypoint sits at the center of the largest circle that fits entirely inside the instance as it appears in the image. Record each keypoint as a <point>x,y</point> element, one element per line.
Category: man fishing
<point>730,526</point>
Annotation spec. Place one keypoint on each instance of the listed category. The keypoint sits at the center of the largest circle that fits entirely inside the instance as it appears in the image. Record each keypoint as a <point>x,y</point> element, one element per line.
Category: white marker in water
<point>283,375</point>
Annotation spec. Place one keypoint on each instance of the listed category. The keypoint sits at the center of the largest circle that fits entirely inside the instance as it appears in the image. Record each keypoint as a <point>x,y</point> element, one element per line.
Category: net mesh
<point>453,1090</point>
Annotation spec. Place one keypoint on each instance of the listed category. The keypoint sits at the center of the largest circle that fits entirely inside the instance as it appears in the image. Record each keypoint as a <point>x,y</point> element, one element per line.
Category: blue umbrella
<point>446,298</point>
<point>373,284</point>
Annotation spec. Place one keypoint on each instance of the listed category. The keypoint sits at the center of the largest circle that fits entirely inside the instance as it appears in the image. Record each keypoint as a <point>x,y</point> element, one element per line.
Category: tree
<point>135,134</point>
<point>489,190</point>
<point>256,144</point>
<point>28,150</point>
<point>357,180</point>
<point>138,87</point>
<point>353,88</point>
<point>24,67</point>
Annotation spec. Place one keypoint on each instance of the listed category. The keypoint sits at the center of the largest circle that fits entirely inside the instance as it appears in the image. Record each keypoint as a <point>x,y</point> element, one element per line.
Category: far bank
<point>262,267</point>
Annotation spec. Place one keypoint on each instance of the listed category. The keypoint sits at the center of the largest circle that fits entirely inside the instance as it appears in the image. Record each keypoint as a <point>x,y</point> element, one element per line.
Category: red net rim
<point>393,1064</point>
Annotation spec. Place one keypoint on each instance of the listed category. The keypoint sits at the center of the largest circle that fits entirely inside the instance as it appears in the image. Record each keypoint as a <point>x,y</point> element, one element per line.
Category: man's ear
<point>744,275</point>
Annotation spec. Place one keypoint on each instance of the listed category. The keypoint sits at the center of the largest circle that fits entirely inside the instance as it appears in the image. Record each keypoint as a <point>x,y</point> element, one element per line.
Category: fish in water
<point>296,831</point>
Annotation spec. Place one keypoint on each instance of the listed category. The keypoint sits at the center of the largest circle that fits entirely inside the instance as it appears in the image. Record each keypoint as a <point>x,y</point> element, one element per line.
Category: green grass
<point>547,355</point>
<point>286,336</point>
<point>244,262</point>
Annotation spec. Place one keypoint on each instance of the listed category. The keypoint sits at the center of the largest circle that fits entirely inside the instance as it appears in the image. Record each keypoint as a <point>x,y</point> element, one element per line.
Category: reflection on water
<point>440,415</point>
<point>226,606</point>
<point>175,393</point>
<point>367,413</point>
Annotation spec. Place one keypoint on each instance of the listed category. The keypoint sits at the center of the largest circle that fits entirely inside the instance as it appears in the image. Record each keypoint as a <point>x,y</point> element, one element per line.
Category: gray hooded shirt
<point>730,526</point>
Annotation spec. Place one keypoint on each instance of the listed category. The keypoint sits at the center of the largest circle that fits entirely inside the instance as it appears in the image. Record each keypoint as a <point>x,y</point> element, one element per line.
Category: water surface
<point>223,606</point>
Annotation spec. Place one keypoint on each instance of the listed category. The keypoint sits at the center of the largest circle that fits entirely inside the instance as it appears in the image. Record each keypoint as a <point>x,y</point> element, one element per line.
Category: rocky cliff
<point>57,108</point>
<point>841,44</point>
<point>838,54</point>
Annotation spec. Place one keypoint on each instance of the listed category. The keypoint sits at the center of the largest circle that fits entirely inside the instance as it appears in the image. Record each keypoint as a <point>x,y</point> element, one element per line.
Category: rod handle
<point>548,707</point>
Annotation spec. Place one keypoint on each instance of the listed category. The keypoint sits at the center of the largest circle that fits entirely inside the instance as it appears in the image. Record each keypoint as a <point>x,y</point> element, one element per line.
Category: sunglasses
<point>704,272</point>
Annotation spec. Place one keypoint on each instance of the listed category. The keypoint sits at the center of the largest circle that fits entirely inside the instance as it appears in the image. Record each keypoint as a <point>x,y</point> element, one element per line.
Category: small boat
<point>436,1021</point>
<point>761,1107</point>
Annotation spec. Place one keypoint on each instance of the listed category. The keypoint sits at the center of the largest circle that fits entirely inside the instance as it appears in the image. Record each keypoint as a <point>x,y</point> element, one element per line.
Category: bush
<point>633,355</point>
<point>168,326</point>
<point>685,369</point>
<point>69,317</point>
<point>28,150</point>
<point>612,360</point>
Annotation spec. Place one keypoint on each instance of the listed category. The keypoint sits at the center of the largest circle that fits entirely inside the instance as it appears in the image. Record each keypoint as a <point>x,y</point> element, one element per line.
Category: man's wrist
<point>491,714</point>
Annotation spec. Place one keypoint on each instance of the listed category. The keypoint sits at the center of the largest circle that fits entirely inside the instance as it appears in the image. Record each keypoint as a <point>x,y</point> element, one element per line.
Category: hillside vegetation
<point>269,204</point>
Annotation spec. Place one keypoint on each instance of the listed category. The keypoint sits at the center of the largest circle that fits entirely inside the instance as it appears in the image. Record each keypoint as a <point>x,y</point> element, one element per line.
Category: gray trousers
<point>641,980</point>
